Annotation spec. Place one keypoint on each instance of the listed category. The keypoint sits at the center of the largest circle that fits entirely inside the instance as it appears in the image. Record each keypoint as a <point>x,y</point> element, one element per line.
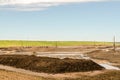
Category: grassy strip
<point>14,43</point>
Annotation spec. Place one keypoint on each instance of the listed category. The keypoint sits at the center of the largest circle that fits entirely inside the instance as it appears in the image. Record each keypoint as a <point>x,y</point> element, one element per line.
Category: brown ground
<point>48,75</point>
<point>49,65</point>
<point>106,56</point>
<point>99,55</point>
<point>7,75</point>
<point>96,75</point>
<point>52,49</point>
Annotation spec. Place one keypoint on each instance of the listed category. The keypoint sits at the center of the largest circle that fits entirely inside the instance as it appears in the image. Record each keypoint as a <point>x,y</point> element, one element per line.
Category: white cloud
<point>33,5</point>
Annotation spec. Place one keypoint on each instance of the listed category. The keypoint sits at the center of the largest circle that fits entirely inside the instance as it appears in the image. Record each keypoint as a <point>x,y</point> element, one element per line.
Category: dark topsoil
<point>49,65</point>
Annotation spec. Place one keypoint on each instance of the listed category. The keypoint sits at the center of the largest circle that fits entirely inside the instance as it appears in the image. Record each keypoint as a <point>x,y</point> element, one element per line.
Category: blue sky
<point>89,21</point>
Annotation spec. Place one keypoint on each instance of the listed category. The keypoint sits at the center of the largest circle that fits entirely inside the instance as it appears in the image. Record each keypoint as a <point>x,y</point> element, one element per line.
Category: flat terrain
<point>81,49</point>
<point>15,43</point>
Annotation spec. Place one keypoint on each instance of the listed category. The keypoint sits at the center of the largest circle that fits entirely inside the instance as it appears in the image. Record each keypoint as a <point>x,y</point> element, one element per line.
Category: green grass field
<point>16,43</point>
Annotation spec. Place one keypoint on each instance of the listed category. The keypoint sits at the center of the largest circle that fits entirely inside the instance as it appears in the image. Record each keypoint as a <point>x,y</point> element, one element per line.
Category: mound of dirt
<point>49,65</point>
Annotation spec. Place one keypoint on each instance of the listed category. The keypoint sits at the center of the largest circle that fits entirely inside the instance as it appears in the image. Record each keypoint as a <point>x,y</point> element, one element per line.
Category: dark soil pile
<point>49,65</point>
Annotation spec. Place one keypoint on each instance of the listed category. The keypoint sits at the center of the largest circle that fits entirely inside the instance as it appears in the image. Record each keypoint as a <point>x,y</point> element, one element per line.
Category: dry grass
<point>104,75</point>
<point>7,75</point>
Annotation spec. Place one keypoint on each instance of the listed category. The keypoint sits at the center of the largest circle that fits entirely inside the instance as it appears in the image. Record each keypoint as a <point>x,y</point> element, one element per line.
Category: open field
<point>15,43</point>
